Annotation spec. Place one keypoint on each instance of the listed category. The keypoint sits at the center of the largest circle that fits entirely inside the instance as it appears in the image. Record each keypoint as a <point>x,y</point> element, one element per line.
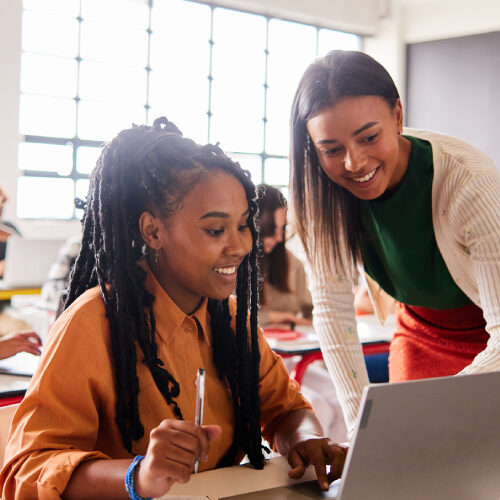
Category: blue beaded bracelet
<point>129,479</point>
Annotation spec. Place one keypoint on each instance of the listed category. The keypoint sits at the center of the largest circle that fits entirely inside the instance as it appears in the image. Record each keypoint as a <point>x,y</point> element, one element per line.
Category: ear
<point>149,226</point>
<point>398,114</point>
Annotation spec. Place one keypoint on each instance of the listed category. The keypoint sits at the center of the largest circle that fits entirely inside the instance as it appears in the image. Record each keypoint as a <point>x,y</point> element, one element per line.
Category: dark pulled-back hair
<point>327,216</point>
<point>274,265</point>
<point>151,168</point>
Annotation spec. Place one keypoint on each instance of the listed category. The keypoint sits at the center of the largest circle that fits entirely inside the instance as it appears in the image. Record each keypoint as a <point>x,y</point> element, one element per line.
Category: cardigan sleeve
<point>475,217</point>
<point>335,324</point>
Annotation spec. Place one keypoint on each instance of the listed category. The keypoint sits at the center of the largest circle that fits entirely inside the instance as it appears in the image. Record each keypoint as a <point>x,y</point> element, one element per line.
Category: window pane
<point>47,116</point>
<point>337,40</point>
<point>238,70</point>
<point>292,47</point>
<point>104,82</point>
<point>50,34</point>
<point>182,101</point>
<point>63,7</point>
<point>180,56</point>
<point>86,158</point>
<point>189,118</point>
<point>45,198</point>
<point>124,12</point>
<point>48,75</point>
<point>46,157</point>
<point>102,121</point>
<point>252,163</point>
<point>180,30</point>
<point>277,171</point>
<point>114,44</point>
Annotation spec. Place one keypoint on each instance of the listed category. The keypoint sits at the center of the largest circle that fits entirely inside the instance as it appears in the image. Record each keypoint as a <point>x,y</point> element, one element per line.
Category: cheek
<point>388,151</point>
<point>332,168</point>
<point>248,241</point>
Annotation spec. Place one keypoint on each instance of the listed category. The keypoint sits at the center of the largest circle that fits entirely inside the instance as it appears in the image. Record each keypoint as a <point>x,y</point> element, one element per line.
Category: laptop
<point>432,439</point>
<point>27,261</point>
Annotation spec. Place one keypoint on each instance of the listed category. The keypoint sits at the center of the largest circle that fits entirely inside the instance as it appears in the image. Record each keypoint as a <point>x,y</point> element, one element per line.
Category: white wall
<point>387,45</point>
<point>424,20</point>
<point>10,49</point>
<point>357,16</point>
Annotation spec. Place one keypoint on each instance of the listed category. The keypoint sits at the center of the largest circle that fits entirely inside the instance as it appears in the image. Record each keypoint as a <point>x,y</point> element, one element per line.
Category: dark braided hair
<point>152,168</point>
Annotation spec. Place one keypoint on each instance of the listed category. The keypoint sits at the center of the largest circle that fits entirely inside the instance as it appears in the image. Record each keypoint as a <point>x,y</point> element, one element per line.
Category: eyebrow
<point>354,134</point>
<point>221,215</point>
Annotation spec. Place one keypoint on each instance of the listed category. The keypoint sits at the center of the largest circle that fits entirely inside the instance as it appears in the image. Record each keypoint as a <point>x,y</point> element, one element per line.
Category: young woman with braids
<point>168,233</point>
<point>417,211</point>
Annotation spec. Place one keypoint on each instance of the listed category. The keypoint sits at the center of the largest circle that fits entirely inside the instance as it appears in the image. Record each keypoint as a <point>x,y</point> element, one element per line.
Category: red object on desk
<point>282,334</point>
<point>310,355</point>
<point>12,400</point>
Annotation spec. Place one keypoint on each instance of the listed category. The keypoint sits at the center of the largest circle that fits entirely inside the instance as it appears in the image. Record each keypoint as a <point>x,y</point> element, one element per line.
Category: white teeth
<point>225,270</point>
<point>367,177</point>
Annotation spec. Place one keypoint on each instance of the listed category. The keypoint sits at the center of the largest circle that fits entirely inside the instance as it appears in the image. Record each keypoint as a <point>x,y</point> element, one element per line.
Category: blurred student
<point>285,298</point>
<point>6,229</point>
<point>168,234</point>
<point>55,286</point>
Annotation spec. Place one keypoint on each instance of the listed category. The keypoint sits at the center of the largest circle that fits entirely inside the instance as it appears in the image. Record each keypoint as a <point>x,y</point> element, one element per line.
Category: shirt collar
<point>169,317</point>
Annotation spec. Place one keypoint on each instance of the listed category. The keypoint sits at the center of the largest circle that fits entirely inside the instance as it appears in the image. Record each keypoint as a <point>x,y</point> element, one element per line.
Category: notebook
<point>27,261</point>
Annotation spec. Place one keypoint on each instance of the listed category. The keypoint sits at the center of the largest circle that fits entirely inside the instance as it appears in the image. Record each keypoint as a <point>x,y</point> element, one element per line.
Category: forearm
<point>103,479</point>
<point>298,426</point>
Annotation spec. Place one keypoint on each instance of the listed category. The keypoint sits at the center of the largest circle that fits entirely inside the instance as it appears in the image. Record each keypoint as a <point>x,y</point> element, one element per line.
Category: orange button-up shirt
<point>68,413</point>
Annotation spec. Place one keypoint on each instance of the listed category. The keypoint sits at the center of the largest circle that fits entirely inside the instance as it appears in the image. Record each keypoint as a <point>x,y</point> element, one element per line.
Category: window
<point>93,67</point>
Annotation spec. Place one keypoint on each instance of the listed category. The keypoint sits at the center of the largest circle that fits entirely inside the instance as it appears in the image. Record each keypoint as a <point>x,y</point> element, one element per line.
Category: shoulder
<point>448,151</point>
<point>83,322</point>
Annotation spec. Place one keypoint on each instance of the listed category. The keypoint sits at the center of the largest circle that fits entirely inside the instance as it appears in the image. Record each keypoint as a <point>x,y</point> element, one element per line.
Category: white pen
<point>200,398</point>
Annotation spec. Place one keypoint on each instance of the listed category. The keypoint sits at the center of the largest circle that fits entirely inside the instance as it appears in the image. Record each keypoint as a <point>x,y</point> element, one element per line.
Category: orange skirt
<point>432,343</point>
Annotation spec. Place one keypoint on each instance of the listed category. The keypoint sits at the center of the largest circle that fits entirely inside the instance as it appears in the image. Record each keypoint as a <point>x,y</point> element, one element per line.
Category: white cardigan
<point>466,219</point>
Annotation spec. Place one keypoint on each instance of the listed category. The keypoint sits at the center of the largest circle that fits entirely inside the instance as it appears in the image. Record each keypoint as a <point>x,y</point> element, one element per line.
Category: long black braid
<point>146,169</point>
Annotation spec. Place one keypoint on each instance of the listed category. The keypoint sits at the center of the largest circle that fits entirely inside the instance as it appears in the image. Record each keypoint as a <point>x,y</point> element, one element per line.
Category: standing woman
<point>168,234</point>
<point>419,211</point>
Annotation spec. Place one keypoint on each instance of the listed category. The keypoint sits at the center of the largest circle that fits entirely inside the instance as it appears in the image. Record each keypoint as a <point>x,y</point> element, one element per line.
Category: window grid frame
<point>77,142</point>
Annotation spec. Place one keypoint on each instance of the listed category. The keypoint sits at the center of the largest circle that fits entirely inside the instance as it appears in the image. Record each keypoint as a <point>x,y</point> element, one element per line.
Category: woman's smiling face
<point>202,245</point>
<point>359,145</point>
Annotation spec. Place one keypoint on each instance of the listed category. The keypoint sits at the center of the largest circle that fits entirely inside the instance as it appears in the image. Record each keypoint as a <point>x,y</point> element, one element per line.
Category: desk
<point>240,479</point>
<point>375,339</point>
<point>12,388</point>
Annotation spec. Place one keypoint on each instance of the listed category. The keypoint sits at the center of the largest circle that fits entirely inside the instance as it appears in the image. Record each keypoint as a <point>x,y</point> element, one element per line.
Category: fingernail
<point>205,458</point>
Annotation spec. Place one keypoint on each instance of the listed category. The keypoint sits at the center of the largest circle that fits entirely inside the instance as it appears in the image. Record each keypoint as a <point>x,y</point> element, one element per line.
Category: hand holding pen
<point>175,448</point>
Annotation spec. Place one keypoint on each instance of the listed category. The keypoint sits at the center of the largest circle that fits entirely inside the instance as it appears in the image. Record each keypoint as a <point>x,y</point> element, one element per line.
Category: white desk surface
<point>237,480</point>
<point>368,326</point>
<point>13,383</point>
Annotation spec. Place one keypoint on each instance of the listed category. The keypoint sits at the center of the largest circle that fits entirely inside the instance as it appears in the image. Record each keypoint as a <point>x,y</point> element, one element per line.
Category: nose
<point>278,235</point>
<point>354,160</point>
<point>238,243</point>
